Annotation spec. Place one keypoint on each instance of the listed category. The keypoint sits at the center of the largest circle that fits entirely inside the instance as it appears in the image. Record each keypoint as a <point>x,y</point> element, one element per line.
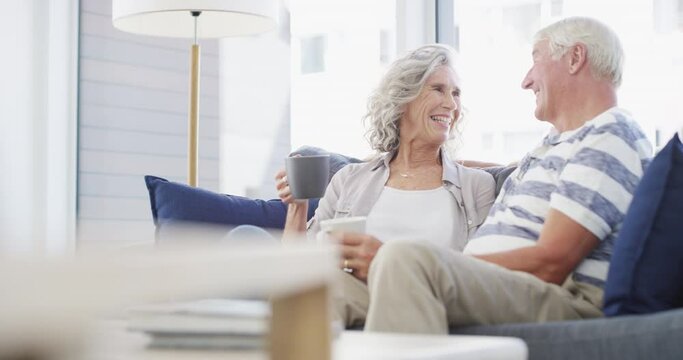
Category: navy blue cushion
<point>173,202</point>
<point>646,271</point>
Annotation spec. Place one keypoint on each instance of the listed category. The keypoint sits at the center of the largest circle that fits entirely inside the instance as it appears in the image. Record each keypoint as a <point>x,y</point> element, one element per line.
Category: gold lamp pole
<point>193,127</point>
<point>220,18</point>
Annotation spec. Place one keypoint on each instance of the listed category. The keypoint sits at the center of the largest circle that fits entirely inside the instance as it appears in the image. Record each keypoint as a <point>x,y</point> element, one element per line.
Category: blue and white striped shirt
<point>589,174</point>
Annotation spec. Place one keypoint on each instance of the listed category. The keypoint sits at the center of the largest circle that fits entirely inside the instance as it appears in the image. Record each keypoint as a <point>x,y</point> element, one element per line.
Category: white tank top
<point>416,215</point>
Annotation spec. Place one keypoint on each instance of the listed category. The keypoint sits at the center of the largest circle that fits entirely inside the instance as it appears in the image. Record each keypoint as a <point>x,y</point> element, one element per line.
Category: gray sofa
<point>653,336</point>
<point>645,278</point>
<point>650,336</point>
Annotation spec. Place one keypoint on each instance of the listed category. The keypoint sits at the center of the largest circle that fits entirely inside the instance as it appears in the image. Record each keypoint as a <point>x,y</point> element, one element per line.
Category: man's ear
<point>577,58</point>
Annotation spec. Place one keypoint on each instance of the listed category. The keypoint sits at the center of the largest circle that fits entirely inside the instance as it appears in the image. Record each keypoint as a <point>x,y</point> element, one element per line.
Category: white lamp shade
<point>172,18</point>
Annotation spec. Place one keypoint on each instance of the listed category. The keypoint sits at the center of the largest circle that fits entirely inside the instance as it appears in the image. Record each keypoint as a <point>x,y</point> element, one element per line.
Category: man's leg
<point>350,300</point>
<point>420,288</point>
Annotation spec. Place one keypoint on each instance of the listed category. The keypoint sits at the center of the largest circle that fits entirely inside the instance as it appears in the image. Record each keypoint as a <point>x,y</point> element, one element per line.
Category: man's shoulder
<point>614,132</point>
<point>615,122</point>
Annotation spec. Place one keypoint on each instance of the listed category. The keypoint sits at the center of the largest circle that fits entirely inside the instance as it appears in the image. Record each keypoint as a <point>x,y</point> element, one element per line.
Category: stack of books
<point>218,324</point>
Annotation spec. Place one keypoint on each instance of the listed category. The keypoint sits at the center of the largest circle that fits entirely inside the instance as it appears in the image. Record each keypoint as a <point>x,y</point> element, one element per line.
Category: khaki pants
<point>419,288</point>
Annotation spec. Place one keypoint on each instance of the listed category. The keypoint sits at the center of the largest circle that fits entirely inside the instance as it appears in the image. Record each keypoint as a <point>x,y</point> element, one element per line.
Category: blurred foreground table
<point>52,308</point>
<point>113,342</point>
<point>48,306</point>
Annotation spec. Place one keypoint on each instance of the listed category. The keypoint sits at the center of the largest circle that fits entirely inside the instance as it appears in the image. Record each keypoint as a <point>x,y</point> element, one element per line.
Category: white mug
<point>354,224</point>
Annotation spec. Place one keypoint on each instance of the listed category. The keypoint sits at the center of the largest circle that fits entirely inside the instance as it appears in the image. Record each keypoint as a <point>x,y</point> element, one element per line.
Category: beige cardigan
<point>354,190</point>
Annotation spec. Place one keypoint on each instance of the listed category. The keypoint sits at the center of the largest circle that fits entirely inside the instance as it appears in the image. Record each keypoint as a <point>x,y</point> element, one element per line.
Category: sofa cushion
<point>500,174</point>
<point>172,202</point>
<point>646,271</point>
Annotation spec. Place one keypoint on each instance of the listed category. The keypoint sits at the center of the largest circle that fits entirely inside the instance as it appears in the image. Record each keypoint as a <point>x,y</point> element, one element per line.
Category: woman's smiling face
<point>431,116</point>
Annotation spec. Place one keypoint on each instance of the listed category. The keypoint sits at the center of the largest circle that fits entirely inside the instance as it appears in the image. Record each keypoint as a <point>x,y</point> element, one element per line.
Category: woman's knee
<point>249,233</point>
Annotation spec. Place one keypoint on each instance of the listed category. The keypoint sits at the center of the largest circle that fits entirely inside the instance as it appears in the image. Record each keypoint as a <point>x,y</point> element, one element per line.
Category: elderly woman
<point>411,190</point>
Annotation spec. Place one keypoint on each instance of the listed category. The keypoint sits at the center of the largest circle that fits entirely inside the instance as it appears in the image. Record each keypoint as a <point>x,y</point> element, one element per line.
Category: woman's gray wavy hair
<point>400,85</point>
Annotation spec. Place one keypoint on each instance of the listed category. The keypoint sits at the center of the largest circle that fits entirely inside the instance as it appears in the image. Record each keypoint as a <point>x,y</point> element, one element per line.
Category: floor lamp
<point>194,19</point>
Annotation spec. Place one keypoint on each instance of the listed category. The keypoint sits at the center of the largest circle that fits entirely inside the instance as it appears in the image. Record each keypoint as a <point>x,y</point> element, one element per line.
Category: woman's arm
<point>297,210</point>
<point>295,223</point>
<point>484,195</point>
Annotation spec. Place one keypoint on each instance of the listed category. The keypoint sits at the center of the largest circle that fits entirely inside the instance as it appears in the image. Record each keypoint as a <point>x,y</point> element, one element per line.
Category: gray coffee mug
<point>308,175</point>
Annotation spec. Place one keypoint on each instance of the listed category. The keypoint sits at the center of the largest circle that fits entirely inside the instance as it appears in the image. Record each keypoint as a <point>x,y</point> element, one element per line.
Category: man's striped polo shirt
<point>589,174</point>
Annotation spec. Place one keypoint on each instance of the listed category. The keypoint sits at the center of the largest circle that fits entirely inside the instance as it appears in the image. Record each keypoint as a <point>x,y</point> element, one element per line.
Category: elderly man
<point>543,252</point>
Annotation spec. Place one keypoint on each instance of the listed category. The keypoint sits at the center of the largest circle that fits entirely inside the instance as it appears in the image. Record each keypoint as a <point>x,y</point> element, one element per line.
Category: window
<point>387,46</point>
<point>313,54</point>
<point>345,46</point>
<point>521,21</point>
<point>495,53</point>
<point>667,15</point>
<point>556,7</point>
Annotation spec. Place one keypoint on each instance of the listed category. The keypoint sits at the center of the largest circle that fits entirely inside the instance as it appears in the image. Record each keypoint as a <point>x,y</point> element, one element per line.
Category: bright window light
<point>340,48</point>
<point>495,53</point>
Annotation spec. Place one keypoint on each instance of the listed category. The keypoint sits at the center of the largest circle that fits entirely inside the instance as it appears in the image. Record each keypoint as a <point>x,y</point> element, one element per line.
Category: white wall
<point>133,122</point>
<point>37,158</point>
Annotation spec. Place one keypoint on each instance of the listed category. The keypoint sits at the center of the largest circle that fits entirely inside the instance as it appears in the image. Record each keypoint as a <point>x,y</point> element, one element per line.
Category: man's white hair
<point>604,53</point>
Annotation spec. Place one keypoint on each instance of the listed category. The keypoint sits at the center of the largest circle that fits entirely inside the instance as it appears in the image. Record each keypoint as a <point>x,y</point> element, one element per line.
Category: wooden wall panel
<point>133,121</point>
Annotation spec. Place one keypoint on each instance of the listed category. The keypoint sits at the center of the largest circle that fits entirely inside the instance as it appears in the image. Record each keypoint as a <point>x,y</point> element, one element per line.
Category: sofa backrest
<point>173,203</point>
<point>337,161</point>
